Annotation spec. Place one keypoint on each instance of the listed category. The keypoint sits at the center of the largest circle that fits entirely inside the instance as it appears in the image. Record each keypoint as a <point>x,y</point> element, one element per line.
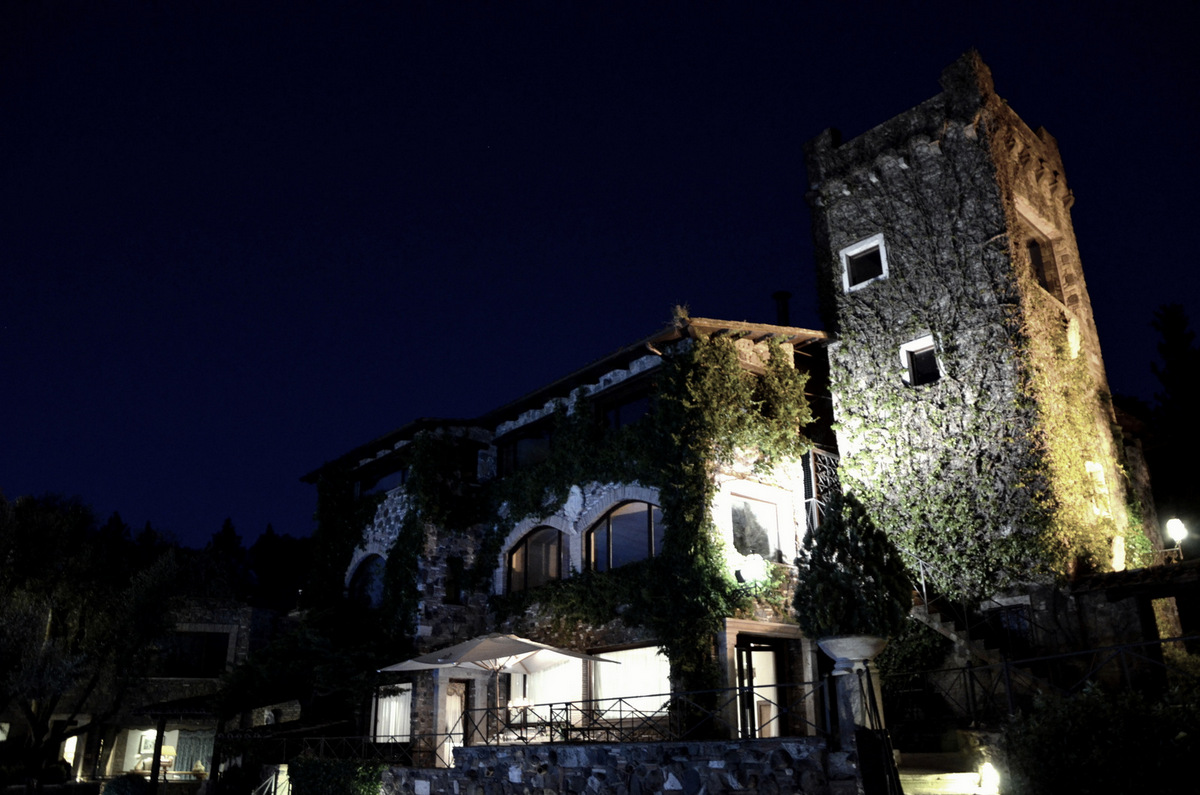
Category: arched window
<point>631,531</point>
<point>366,586</point>
<point>535,560</point>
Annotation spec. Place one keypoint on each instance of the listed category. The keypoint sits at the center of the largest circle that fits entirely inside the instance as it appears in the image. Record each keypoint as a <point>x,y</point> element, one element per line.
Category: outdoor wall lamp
<point>1177,531</point>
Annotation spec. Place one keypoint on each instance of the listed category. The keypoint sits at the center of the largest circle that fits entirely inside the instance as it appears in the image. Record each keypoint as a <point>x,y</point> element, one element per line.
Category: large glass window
<point>641,683</point>
<point>631,531</point>
<point>755,527</point>
<point>523,449</point>
<point>202,655</point>
<point>558,685</point>
<point>535,560</point>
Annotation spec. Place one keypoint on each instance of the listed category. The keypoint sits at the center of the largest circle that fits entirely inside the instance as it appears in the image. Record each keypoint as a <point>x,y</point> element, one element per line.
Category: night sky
<point>238,239</point>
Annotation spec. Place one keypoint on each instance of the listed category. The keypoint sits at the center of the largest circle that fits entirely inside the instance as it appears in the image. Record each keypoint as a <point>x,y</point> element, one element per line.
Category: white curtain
<point>642,681</point>
<point>557,685</point>
<point>393,714</point>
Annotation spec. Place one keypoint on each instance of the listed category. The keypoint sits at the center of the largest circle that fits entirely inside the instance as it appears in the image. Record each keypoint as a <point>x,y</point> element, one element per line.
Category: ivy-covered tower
<point>972,409</point>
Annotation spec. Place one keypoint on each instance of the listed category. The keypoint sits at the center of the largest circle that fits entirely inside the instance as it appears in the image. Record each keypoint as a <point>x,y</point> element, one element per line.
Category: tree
<point>1172,452</point>
<point>279,568</point>
<point>851,578</point>
<point>78,621</point>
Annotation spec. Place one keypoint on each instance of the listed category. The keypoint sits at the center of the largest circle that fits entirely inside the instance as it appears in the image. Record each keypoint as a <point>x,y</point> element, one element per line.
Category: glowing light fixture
<point>1176,530</point>
<point>752,575</point>
<point>754,569</point>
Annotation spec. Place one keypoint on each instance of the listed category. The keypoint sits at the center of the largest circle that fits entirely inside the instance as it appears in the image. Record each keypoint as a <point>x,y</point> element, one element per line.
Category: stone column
<point>852,669</point>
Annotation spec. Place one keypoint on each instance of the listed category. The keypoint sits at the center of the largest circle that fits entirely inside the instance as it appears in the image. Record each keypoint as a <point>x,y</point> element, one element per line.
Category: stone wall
<point>798,765</point>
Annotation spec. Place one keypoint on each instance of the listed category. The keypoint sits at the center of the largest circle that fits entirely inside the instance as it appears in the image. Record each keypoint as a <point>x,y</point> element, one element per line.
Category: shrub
<point>128,784</point>
<point>334,777</point>
<point>1096,742</point>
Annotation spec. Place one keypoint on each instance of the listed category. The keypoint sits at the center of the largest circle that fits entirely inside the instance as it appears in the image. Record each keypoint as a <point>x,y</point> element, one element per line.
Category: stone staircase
<point>972,637</point>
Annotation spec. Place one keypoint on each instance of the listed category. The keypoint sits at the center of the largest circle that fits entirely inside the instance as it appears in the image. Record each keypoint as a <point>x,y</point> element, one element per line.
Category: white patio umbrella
<point>496,653</point>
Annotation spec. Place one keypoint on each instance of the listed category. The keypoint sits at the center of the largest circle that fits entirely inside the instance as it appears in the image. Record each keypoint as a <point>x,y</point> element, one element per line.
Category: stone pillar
<point>857,706</point>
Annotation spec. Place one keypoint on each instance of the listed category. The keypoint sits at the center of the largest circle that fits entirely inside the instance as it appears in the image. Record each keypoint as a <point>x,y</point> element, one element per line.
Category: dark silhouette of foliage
<point>79,618</point>
<point>1171,454</point>
<point>1104,743</point>
<point>851,579</point>
<point>341,517</point>
<point>279,566</point>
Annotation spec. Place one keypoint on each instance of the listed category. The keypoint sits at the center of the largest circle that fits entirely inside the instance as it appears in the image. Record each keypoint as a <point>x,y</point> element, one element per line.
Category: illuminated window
<point>631,531</point>
<point>393,713</point>
<point>557,685</point>
<point>755,527</point>
<point>641,683</point>
<point>919,358</point>
<point>536,559</point>
<point>863,262</point>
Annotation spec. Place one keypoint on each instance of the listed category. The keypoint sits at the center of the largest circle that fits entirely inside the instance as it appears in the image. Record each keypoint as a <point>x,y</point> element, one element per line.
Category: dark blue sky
<point>240,238</point>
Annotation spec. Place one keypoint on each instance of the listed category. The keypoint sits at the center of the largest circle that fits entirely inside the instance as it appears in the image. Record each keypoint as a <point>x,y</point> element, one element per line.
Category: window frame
<point>524,447</point>
<point>774,542</point>
<point>605,523</point>
<point>857,249</point>
<point>522,547</point>
<point>922,344</point>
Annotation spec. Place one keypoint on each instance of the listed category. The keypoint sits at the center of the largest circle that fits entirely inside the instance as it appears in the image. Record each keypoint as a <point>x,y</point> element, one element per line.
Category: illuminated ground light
<point>989,779</point>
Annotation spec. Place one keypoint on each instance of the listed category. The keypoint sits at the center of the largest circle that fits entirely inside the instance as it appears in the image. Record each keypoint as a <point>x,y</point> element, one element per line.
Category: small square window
<point>863,263</point>
<point>919,358</point>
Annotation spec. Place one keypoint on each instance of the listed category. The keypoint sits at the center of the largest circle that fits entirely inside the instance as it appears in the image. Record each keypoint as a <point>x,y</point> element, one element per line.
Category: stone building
<point>171,714</point>
<point>972,418</point>
<point>605,519</point>
<point>972,408</point>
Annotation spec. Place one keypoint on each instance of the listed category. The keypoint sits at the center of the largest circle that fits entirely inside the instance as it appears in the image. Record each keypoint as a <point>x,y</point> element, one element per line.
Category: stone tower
<point>972,408</point>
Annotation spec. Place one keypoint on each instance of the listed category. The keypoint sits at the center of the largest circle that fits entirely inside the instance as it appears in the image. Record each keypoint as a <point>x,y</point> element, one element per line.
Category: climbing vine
<point>983,476</point>
<point>708,412</point>
<point>1081,526</point>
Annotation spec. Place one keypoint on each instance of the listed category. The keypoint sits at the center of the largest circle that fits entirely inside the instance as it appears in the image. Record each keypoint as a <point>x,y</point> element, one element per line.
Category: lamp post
<point>1177,531</point>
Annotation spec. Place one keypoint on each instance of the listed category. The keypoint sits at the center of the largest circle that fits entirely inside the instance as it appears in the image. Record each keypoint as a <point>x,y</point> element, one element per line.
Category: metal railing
<point>982,695</point>
<point>777,710</point>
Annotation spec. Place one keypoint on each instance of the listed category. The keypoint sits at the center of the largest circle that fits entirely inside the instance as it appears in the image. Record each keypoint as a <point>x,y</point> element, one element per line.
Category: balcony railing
<point>778,710</point>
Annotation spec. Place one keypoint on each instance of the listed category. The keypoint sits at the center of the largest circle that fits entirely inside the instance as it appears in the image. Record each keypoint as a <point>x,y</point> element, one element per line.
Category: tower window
<point>1045,269</point>
<point>919,358</point>
<point>863,263</point>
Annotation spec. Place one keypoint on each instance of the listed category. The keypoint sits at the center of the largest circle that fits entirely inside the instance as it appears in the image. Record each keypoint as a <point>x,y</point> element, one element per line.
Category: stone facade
<point>800,765</point>
<point>447,613</point>
<point>949,272</point>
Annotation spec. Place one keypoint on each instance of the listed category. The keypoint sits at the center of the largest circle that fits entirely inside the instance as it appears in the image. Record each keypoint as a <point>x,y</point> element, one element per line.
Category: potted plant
<point>853,593</point>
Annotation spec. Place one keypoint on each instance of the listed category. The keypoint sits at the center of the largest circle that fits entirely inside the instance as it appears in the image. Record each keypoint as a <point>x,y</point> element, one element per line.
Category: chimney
<point>782,318</point>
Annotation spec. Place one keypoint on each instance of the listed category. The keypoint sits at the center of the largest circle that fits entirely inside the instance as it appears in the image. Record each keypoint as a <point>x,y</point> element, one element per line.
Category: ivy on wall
<point>950,469</point>
<point>1080,523</point>
<point>708,412</point>
<point>982,474</point>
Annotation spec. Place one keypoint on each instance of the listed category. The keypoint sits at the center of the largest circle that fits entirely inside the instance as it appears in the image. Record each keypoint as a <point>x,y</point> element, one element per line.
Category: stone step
<point>937,782</point>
